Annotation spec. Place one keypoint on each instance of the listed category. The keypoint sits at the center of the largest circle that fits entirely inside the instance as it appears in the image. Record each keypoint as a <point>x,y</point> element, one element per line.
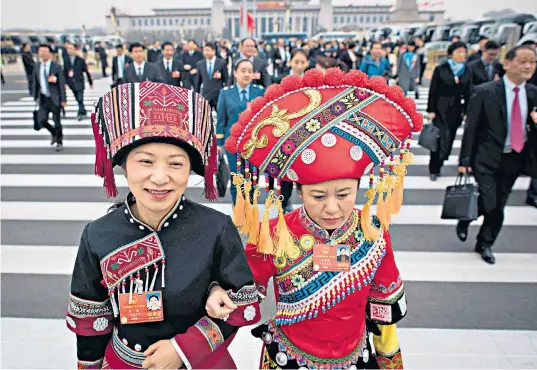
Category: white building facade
<point>223,19</point>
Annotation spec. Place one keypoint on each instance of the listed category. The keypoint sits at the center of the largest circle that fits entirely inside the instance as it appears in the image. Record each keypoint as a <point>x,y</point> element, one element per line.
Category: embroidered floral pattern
<point>83,308</point>
<point>297,280</point>
<point>246,295</point>
<point>211,332</point>
<point>289,147</point>
<point>313,125</point>
<point>273,170</point>
<point>100,324</point>
<point>338,108</point>
<point>249,313</point>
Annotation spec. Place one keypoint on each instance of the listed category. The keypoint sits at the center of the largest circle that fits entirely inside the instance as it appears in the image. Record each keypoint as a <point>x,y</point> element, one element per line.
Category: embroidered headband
<point>322,127</point>
<point>134,114</point>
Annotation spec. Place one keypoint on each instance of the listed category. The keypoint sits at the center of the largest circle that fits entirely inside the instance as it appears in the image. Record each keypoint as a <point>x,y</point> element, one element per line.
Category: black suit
<point>190,62</point>
<point>474,56</point>
<point>154,55</point>
<point>74,77</point>
<point>29,64</point>
<point>260,66</point>
<point>446,98</point>
<point>532,190</point>
<point>150,73</point>
<point>176,67</point>
<point>115,69</point>
<point>483,149</point>
<point>480,75</point>
<point>50,103</point>
<point>210,86</point>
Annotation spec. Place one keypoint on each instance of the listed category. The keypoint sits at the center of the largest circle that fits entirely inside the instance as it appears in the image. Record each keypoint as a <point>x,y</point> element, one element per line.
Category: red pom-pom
<point>231,144</point>
<point>236,129</point>
<point>334,77</point>
<point>291,83</point>
<point>395,94</point>
<point>313,78</point>
<point>355,78</point>
<point>378,84</point>
<point>417,120</point>
<point>409,105</point>
<point>257,104</point>
<point>273,92</point>
<point>245,117</point>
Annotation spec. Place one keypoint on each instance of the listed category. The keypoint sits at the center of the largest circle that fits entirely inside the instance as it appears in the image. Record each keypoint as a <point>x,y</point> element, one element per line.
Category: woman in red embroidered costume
<point>335,277</point>
<point>143,271</point>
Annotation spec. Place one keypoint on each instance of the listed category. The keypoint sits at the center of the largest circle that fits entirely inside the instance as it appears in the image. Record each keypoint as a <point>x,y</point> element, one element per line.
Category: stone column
<point>405,11</point>
<point>326,15</point>
<point>218,20</point>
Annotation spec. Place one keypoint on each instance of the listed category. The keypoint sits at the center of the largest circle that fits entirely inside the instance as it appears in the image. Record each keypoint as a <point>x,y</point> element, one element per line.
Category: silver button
<point>132,220</point>
<point>141,227</point>
<point>281,359</point>
<point>166,224</point>
<point>126,211</point>
<point>365,356</point>
<point>125,341</point>
<point>353,367</point>
<point>175,215</point>
<point>267,337</point>
<point>137,348</point>
<point>181,207</point>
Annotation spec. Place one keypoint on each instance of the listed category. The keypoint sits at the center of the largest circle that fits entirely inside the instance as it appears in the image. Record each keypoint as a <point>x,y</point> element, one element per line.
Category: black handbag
<point>460,200</point>
<point>222,176</point>
<point>429,137</point>
<point>37,119</point>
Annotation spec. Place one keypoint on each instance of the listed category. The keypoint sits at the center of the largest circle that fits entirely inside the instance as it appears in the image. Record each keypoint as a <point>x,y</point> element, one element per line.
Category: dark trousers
<point>47,106</point>
<point>494,190</point>
<point>103,67</point>
<point>79,96</point>
<point>436,160</point>
<point>532,190</point>
<point>30,79</point>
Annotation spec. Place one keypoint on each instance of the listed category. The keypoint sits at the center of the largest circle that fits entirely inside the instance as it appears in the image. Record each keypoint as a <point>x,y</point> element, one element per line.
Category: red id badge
<point>144,307</point>
<point>333,258</point>
<point>71,74</point>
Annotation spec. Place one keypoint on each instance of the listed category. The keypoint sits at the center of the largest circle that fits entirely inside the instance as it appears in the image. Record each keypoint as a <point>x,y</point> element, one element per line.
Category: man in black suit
<point>500,142</point>
<point>74,69</point>
<point>171,68</point>
<point>154,54</point>
<point>101,52</point>
<point>212,75</point>
<point>140,70</point>
<point>487,68</point>
<point>190,61</point>
<point>476,56</point>
<point>49,92</point>
<point>248,48</point>
<point>119,63</point>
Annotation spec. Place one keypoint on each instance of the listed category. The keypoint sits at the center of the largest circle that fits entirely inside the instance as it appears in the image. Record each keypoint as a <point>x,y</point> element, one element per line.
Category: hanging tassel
<point>390,184</point>
<point>147,279</point>
<point>382,209</point>
<point>369,230</point>
<point>283,237</point>
<point>163,268</point>
<point>248,216</point>
<point>109,179</point>
<point>131,289</point>
<point>254,227</point>
<point>100,151</point>
<point>154,278</point>
<point>265,244</point>
<point>238,211</point>
<point>209,171</point>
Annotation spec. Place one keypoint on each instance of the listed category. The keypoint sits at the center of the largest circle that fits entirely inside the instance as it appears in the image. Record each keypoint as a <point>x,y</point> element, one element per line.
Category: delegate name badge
<point>144,307</point>
<point>333,258</point>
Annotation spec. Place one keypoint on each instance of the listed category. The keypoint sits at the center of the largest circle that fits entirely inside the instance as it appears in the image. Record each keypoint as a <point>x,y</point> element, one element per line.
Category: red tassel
<point>210,170</point>
<point>100,152</point>
<point>109,179</point>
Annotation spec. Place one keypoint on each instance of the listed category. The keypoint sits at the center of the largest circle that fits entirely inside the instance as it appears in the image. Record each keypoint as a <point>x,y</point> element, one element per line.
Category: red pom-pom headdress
<point>336,125</point>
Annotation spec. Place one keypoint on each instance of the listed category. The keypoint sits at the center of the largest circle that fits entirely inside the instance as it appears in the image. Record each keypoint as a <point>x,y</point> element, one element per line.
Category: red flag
<point>250,18</point>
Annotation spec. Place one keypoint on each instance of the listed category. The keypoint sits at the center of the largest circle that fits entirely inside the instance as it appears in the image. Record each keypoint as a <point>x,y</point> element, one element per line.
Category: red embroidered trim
<point>391,362</point>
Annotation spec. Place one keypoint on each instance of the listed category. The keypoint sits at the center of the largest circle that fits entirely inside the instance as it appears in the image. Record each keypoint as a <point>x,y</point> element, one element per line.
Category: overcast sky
<point>60,14</point>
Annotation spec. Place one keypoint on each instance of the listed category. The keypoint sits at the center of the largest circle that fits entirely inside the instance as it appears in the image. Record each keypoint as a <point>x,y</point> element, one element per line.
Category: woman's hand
<point>162,355</point>
<point>219,305</point>
<point>432,116</point>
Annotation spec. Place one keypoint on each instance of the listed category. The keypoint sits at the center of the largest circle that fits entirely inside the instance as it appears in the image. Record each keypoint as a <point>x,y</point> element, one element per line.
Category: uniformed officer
<point>233,101</point>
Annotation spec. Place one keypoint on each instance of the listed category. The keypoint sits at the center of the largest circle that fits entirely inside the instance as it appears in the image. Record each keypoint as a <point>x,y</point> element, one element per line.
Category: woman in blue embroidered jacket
<point>324,132</point>
<point>142,274</point>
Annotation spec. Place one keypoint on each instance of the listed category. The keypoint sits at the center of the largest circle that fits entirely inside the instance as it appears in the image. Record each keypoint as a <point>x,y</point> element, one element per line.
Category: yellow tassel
<point>283,237</point>
<point>265,244</point>
<point>247,226</point>
<point>238,211</point>
<point>390,184</point>
<point>369,230</point>
<point>397,196</point>
<point>254,227</point>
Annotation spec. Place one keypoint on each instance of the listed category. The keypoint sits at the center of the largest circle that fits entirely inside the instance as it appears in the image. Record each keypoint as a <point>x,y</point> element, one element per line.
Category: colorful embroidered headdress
<point>323,127</point>
<point>134,114</point>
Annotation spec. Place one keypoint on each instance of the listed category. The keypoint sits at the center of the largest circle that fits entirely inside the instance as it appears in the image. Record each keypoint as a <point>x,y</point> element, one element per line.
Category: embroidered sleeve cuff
<point>247,312</point>
<point>89,318</point>
<point>90,364</point>
<point>388,310</point>
<point>181,354</point>
<point>393,360</point>
<point>200,340</point>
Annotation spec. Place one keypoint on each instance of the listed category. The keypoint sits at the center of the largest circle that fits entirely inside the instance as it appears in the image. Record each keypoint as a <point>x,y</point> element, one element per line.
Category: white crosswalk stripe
<point>462,312</point>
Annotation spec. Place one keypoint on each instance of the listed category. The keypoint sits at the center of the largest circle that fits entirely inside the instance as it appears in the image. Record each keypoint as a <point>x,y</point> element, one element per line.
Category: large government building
<point>223,18</point>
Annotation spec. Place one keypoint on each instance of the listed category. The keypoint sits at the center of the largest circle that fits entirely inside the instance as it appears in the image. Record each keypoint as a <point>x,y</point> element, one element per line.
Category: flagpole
<point>244,18</point>
<point>255,19</point>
